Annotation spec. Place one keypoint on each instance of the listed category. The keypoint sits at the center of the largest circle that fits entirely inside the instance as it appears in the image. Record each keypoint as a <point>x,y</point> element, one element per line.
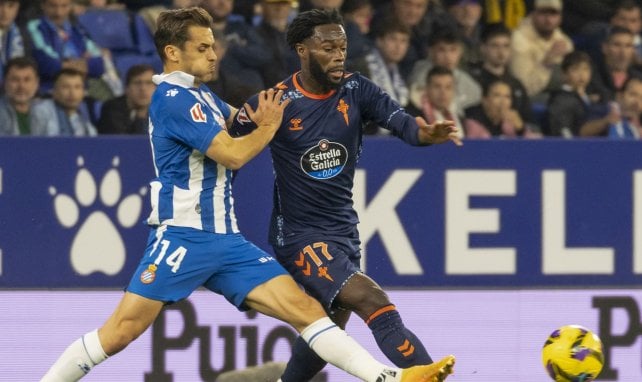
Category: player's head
<point>318,38</point>
<point>185,42</point>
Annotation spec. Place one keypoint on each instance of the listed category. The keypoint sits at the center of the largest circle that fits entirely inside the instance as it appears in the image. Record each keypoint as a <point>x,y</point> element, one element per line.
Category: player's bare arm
<point>438,132</point>
<point>233,153</point>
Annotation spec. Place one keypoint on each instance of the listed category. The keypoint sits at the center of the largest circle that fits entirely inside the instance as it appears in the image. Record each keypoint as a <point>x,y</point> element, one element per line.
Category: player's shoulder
<point>172,98</point>
<point>355,80</point>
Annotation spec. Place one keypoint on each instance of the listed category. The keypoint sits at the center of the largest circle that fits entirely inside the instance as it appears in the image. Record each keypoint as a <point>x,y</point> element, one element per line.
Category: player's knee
<point>363,300</point>
<point>307,310</point>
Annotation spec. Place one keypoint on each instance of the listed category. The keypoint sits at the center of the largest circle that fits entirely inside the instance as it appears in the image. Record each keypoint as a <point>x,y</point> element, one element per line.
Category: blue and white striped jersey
<point>190,189</point>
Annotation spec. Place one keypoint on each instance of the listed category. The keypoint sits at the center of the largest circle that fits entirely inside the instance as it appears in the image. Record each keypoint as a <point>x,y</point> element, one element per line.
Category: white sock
<point>335,346</point>
<point>77,360</point>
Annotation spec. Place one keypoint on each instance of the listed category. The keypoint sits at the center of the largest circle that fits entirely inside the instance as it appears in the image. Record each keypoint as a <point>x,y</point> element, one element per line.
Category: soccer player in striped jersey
<point>314,154</point>
<point>194,239</point>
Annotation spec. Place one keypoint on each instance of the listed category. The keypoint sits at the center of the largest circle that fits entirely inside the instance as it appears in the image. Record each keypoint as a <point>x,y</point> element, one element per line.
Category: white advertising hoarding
<point>496,335</point>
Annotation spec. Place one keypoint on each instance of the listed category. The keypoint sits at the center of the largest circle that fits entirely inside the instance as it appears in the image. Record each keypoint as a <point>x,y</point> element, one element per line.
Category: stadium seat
<point>125,34</point>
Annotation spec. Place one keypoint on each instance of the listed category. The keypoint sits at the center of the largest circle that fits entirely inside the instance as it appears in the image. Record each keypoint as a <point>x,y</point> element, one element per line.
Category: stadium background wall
<point>486,249</point>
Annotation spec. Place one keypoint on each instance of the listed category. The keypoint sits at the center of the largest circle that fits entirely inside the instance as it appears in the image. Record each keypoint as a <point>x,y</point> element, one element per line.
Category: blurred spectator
<point>381,65</point>
<point>569,107</point>
<point>11,39</point>
<point>628,14</point>
<point>583,17</point>
<point>29,10</point>
<point>59,43</point>
<point>136,5</point>
<point>623,117</point>
<point>307,5</point>
<point>538,47</point>
<point>438,100</point>
<point>495,116</point>
<point>128,114</point>
<point>508,12</point>
<point>246,52</point>
<point>282,61</point>
<point>67,103</point>
<point>466,17</point>
<point>150,13</point>
<point>615,65</point>
<point>357,15</point>
<point>81,6</point>
<point>445,49</point>
<point>496,53</point>
<point>21,113</point>
<point>415,15</point>
<point>225,82</point>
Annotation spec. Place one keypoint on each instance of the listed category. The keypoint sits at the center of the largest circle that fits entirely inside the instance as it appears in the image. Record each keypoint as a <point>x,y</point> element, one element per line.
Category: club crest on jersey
<point>148,275</point>
<point>197,113</point>
<point>324,160</point>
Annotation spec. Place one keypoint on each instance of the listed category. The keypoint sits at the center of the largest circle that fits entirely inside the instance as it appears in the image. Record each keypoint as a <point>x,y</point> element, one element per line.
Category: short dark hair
<point>574,58</point>
<point>493,30</point>
<point>172,26</point>
<point>137,70</point>
<point>446,35</point>
<point>626,5</point>
<point>349,6</point>
<point>438,71</point>
<point>20,62</point>
<point>616,30</point>
<point>302,27</point>
<point>387,26</point>
<point>491,84</point>
<point>70,72</point>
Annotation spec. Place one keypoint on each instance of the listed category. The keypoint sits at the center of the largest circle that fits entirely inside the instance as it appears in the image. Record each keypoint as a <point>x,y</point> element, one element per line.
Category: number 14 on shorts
<point>174,259</point>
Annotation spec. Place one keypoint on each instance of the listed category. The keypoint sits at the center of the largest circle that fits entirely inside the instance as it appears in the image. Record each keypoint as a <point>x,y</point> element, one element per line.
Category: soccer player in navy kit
<point>314,153</point>
<point>194,239</point>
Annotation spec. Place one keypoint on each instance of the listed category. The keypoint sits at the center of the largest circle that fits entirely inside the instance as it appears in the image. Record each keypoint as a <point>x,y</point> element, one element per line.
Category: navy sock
<point>303,364</point>
<point>399,344</point>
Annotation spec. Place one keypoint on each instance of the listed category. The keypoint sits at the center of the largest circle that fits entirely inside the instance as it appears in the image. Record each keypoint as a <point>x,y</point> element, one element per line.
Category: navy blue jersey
<point>315,152</point>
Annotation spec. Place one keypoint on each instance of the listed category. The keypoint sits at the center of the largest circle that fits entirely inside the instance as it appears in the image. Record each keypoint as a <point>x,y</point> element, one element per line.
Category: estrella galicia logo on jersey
<point>325,160</point>
<point>197,113</point>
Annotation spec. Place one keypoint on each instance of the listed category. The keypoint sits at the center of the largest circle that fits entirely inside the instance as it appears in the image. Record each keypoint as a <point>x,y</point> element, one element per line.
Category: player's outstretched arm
<point>233,153</point>
<point>438,132</point>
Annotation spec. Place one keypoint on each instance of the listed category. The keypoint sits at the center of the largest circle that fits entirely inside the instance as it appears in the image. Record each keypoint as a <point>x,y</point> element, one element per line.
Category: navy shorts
<point>322,267</point>
<point>178,260</point>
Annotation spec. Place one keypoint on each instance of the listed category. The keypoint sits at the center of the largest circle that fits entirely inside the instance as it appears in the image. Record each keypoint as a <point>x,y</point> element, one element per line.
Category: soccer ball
<point>573,353</point>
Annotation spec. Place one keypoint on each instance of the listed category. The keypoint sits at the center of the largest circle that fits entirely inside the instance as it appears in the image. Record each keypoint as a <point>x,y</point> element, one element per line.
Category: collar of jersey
<point>175,78</point>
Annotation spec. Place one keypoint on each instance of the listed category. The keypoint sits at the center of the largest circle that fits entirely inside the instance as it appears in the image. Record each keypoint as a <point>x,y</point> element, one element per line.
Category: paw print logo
<point>97,245</point>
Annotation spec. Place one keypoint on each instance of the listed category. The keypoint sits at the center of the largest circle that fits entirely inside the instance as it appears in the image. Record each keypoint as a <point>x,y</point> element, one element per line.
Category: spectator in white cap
<point>538,47</point>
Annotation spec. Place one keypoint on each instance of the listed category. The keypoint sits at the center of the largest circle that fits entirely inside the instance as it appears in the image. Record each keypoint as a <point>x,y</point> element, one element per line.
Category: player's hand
<point>438,132</point>
<point>269,112</point>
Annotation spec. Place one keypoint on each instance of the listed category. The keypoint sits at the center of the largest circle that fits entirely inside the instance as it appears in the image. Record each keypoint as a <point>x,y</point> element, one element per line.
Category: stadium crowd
<point>498,68</point>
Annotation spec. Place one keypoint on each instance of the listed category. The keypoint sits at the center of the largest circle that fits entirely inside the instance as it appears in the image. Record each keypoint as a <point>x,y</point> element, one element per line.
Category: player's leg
<point>281,298</point>
<point>329,271</point>
<point>155,282</point>
<point>364,297</point>
<point>131,318</point>
<point>304,363</point>
<point>250,278</point>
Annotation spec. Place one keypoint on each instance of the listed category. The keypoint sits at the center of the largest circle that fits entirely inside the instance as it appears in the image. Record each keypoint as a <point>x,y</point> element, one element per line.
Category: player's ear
<point>172,53</point>
<point>300,49</point>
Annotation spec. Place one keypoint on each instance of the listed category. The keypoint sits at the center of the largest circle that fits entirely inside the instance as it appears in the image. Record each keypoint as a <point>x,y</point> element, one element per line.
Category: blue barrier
<point>550,213</point>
